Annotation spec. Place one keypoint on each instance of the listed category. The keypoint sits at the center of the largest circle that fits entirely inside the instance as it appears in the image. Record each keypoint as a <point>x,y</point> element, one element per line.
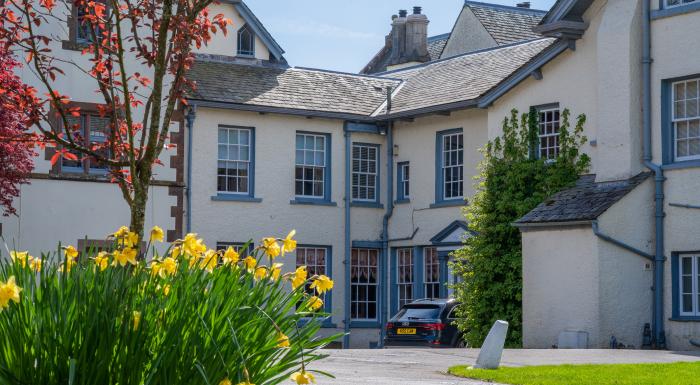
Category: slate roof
<point>507,24</point>
<point>461,78</point>
<point>586,201</point>
<point>288,88</point>
<point>436,44</point>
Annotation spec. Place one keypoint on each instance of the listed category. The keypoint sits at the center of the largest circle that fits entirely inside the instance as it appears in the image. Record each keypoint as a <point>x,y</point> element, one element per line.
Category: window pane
<point>364,172</point>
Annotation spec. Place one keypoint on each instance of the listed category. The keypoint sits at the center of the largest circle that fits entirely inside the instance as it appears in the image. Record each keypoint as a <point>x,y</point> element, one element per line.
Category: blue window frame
<point>405,278</point>
<point>236,164</point>
<point>669,8</point>
<point>677,3</point>
<point>365,285</point>
<point>403,182</point>
<point>240,247</point>
<point>685,273</point>
<point>449,167</point>
<point>88,128</point>
<point>246,41</point>
<point>680,114</point>
<point>365,181</point>
<point>312,171</point>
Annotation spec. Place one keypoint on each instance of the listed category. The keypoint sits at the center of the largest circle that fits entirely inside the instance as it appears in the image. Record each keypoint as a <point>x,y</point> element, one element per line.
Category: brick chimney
<point>409,38</point>
<point>524,4</point>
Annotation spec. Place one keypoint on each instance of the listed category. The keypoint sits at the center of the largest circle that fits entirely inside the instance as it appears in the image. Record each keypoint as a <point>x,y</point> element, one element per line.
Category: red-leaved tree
<point>139,53</point>
<point>16,149</point>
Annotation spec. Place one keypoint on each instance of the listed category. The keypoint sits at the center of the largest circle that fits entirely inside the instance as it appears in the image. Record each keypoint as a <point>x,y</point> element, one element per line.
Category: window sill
<point>312,202</point>
<point>685,319</point>
<point>402,201</point>
<point>450,203</point>
<point>681,164</point>
<point>235,198</point>
<point>73,45</point>
<point>364,324</point>
<point>674,11</point>
<point>371,205</point>
<point>325,324</point>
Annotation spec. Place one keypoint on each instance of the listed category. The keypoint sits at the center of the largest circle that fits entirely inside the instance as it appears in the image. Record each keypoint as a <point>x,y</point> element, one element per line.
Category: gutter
<point>348,244</point>
<point>189,118</point>
<point>659,258</point>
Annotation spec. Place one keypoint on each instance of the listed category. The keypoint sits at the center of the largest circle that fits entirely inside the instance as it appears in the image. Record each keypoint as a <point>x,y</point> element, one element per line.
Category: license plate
<point>406,331</point>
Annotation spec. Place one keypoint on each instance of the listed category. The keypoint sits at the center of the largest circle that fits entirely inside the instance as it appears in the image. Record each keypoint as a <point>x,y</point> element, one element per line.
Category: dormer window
<point>246,41</point>
<point>677,3</point>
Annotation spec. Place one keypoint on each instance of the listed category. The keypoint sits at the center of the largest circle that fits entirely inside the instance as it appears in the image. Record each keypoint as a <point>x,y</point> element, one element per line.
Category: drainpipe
<point>659,259</point>
<point>348,245</point>
<point>191,114</point>
<point>388,214</point>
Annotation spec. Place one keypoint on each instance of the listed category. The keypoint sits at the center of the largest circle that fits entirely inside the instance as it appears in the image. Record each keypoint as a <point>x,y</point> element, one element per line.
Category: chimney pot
<point>524,4</point>
<point>417,10</point>
<point>403,13</point>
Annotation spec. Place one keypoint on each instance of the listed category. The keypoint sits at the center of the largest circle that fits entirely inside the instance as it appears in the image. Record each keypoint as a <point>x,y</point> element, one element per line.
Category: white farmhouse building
<point>373,169</point>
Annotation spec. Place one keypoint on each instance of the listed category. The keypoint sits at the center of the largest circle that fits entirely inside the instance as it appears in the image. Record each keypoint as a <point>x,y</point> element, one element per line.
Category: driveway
<point>429,366</point>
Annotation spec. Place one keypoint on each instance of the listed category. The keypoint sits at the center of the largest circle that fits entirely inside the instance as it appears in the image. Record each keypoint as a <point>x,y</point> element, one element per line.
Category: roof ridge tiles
<point>352,74</point>
<point>505,7</point>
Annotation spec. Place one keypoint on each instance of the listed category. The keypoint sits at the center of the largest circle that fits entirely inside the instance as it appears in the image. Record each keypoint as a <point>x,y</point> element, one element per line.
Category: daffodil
<point>299,277</point>
<point>102,260</point>
<point>193,259</point>
<point>260,272</point>
<point>157,234</point>
<point>20,256</point>
<point>271,247</point>
<point>168,267</point>
<point>322,284</point>
<point>289,244</point>
<point>303,377</point>
<point>175,251</point>
<point>210,260</point>
<point>276,270</point>
<point>136,318</point>
<point>165,289</point>
<point>9,291</point>
<point>245,383</point>
<point>192,245</point>
<point>225,381</point>
<point>282,340</point>
<point>122,232</point>
<point>131,240</point>
<point>250,263</point>
<point>314,303</point>
<point>71,252</point>
<point>128,255</point>
<point>231,256</point>
<point>67,266</point>
<point>35,264</point>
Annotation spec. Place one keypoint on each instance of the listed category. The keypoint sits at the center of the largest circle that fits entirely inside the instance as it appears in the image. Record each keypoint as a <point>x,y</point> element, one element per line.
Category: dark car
<point>425,322</point>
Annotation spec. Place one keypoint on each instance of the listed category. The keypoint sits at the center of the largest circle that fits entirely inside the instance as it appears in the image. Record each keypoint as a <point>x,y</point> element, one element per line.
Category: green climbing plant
<point>513,180</point>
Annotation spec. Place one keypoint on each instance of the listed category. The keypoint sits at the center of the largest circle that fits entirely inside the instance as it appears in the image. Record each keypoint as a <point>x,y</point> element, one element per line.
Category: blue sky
<point>343,35</point>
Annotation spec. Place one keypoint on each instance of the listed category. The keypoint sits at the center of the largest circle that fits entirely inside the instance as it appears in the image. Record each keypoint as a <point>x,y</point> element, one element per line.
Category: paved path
<point>428,366</point>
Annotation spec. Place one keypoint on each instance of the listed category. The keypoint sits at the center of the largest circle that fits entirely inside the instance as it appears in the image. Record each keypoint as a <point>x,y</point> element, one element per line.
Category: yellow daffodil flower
<point>71,252</point>
<point>168,267</point>
<point>128,255</point>
<point>231,256</point>
<point>271,247</point>
<point>155,268</point>
<point>289,244</point>
<point>67,266</point>
<point>9,291</point>
<point>102,260</point>
<point>136,319</point>
<point>193,259</point>
<point>282,340</point>
<point>175,251</point>
<point>225,381</point>
<point>322,284</point>
<point>210,260</point>
<point>165,289</point>
<point>20,256</point>
<point>276,271</point>
<point>245,383</point>
<point>303,377</point>
<point>122,232</point>
<point>250,263</point>
<point>157,234</point>
<point>35,264</point>
<point>193,245</point>
<point>132,240</point>
<point>260,272</point>
<point>314,303</point>
<point>299,277</point>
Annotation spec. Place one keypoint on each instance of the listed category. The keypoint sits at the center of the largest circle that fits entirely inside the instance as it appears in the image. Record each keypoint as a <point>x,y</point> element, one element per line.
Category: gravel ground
<point>429,366</point>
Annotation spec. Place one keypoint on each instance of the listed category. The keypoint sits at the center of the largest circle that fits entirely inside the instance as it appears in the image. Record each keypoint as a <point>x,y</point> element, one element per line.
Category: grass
<point>683,373</point>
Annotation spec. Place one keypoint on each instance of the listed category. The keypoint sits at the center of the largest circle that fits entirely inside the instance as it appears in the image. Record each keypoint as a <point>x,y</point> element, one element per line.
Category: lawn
<point>683,373</point>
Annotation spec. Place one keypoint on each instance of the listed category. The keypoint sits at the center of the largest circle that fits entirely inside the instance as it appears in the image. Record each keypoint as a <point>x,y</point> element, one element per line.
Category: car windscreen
<point>419,312</point>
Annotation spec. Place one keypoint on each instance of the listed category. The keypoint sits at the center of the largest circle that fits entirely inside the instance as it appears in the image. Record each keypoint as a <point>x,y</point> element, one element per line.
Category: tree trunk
<point>138,210</point>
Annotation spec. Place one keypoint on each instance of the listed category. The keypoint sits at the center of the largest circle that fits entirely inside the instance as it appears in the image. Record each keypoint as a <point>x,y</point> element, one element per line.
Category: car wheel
<point>460,343</point>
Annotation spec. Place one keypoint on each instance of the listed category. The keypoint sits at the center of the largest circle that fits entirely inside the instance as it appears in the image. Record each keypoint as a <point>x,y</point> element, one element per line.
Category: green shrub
<point>192,316</point>
<point>512,182</point>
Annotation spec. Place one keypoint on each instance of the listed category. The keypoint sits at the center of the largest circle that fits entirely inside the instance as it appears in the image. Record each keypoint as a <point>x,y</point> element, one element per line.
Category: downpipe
<point>385,225</point>
<point>348,245</point>
<point>191,115</point>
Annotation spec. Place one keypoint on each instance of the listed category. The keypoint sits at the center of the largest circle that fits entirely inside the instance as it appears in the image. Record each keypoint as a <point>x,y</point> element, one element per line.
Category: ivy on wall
<point>513,180</point>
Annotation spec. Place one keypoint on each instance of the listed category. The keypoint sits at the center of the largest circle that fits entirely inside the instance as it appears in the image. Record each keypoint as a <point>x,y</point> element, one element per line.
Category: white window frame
<point>239,34</point>
<point>304,164</point>
<point>229,147</point>
<point>405,181</point>
<point>676,121</point>
<point>695,271</point>
<point>404,269</point>
<point>448,166</point>
<point>367,285</point>
<point>428,268</point>
<point>680,3</point>
<point>357,173</point>
<point>551,153</point>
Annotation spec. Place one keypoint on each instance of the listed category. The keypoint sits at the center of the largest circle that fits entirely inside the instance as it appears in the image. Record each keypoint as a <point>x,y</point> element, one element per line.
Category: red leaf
<point>54,158</point>
<point>69,155</point>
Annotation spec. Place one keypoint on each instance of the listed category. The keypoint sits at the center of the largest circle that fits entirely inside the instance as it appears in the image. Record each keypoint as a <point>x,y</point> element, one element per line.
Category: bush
<point>191,316</point>
<point>513,181</point>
